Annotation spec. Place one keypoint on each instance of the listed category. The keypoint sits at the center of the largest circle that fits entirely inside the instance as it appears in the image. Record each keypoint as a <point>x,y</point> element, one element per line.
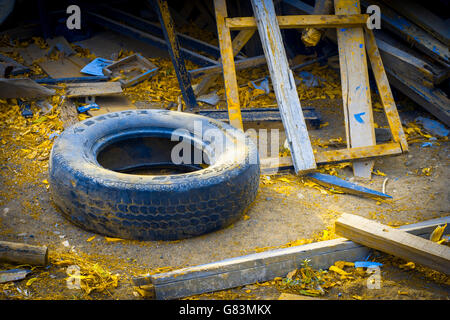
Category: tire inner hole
<point>151,156</point>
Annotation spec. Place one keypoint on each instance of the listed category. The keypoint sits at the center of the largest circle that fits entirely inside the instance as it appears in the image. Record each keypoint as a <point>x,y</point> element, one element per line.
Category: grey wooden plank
<point>284,86</point>
<point>264,266</point>
<point>432,99</point>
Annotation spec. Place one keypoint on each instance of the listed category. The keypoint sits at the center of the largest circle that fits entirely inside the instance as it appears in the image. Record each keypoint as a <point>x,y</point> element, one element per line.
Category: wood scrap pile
<point>413,43</point>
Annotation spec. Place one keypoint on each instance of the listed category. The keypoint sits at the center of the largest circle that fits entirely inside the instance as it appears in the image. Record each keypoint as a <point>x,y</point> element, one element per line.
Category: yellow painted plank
<point>229,73</point>
<point>303,21</point>
<point>385,90</point>
<point>323,157</point>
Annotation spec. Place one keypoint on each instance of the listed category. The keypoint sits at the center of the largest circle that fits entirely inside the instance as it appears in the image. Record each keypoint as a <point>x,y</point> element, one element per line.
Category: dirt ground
<point>289,210</point>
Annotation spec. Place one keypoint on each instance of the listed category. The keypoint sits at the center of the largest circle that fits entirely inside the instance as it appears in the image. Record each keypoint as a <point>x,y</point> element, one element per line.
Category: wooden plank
<point>360,131</point>
<point>65,67</point>
<point>284,86</point>
<point>109,104</point>
<point>410,63</point>
<point>263,115</point>
<point>17,67</point>
<point>330,156</point>
<point>229,73</point>
<point>303,21</point>
<point>412,34</point>
<point>384,90</point>
<point>23,253</point>
<point>395,55</point>
<point>263,266</point>
<point>423,18</point>
<point>218,68</point>
<point>95,89</point>
<point>393,241</point>
<point>131,70</point>
<point>400,54</point>
<point>238,43</point>
<point>59,43</point>
<point>433,100</point>
<point>290,296</point>
<point>23,88</point>
<point>155,28</point>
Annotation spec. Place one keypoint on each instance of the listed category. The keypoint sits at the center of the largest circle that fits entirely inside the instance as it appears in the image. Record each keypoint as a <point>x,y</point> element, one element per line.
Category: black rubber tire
<point>142,207</point>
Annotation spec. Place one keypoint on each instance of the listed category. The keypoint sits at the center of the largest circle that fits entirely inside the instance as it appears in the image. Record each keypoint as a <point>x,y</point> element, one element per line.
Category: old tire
<point>145,207</point>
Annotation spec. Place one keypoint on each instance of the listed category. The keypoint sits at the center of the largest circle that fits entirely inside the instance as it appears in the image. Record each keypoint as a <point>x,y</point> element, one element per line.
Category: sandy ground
<point>283,212</point>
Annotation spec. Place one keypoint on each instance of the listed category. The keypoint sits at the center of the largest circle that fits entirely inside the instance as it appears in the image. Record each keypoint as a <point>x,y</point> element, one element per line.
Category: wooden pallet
<point>354,37</point>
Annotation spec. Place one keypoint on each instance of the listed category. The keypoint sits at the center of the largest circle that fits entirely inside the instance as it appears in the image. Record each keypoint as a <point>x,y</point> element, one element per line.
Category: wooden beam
<point>360,131</point>
<point>384,89</point>
<point>257,115</point>
<point>92,89</point>
<point>410,63</point>
<point>324,157</point>
<point>303,21</point>
<point>218,68</point>
<point>229,73</point>
<point>395,242</point>
<point>424,18</point>
<point>184,81</point>
<point>414,35</point>
<point>433,100</point>
<point>23,253</point>
<point>407,71</point>
<point>283,84</point>
<point>263,266</point>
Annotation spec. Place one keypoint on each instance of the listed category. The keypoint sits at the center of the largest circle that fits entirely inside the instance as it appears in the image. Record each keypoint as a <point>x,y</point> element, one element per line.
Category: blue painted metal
<point>339,184</point>
<point>95,67</point>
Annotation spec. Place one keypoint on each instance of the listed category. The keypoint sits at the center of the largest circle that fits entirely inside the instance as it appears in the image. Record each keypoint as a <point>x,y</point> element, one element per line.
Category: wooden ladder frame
<point>342,21</point>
